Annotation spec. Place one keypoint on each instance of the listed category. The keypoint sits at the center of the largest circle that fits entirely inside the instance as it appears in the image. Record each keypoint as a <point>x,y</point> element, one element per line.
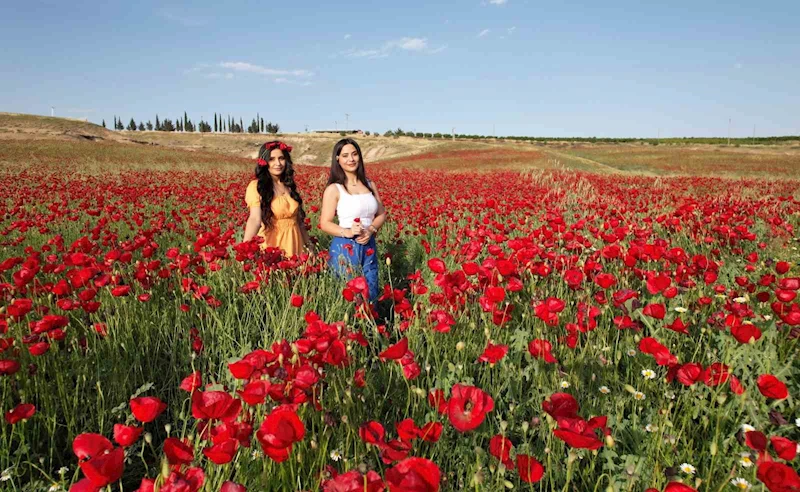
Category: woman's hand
<point>364,237</point>
<point>356,229</point>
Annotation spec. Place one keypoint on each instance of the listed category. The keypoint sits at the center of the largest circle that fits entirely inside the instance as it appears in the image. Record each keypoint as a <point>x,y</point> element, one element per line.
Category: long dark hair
<point>337,175</point>
<point>267,192</point>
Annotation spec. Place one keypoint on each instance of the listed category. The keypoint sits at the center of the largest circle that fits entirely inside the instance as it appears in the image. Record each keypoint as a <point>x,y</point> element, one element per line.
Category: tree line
<point>222,124</point>
<point>651,141</point>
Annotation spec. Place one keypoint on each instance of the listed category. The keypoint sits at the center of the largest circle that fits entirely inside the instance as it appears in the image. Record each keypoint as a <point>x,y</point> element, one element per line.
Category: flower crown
<point>271,146</point>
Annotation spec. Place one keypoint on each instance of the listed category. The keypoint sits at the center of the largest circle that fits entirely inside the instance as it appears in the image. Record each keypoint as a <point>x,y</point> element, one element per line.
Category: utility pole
<point>347,121</point>
<point>52,111</point>
<point>454,132</point>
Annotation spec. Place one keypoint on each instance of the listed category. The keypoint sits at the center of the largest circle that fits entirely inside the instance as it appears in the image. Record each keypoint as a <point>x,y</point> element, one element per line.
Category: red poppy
<point>605,280</point>
<point>492,354</point>
<point>656,311</point>
<point>177,451</point>
<point>436,265</point>
<point>215,405</point>
<point>354,481</point>
<point>431,432</point>
<point>529,469</point>
<point>542,349</point>
<point>745,332</point>
<point>396,351</point>
<point>8,367</point>
<point>579,433</point>
<point>100,461</point>
<point>190,480</point>
<point>467,407</point>
<point>280,429</point>
<point>778,477</point>
<point>232,487</point>
<point>500,447</point>
<point>297,301</point>
<point>147,408</point>
<point>414,475</point>
<point>222,452</point>
<point>679,326</point>
<point>688,374</point>
<point>23,411</point>
<point>561,405</point>
<point>191,382</point>
<point>772,387</point>
<point>678,487</point>
<point>437,400</point>
<point>126,435</point>
<point>254,392</point>
<point>786,449</point>
<point>372,433</point>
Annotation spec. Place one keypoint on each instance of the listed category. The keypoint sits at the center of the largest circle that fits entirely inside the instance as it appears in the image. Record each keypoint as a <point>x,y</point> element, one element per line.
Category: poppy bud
<point>460,346</point>
<point>609,441</point>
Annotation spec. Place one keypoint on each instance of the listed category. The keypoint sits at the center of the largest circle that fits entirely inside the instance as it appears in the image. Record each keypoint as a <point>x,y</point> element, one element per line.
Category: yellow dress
<point>285,231</point>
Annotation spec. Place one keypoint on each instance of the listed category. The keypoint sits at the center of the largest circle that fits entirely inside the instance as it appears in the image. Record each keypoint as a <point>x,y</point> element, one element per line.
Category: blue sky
<point>512,67</point>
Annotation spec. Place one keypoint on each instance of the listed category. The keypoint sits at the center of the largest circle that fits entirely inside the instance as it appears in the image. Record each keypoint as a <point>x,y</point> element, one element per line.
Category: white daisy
<point>6,475</point>
<point>336,455</point>
<point>687,468</point>
<point>740,300</point>
<point>746,461</point>
<point>747,428</point>
<point>604,390</point>
<point>650,428</point>
<point>564,385</point>
<point>767,317</point>
<point>649,374</point>
<point>741,484</point>
<point>680,309</point>
<point>639,396</point>
<point>55,488</point>
<point>631,352</point>
<point>797,422</point>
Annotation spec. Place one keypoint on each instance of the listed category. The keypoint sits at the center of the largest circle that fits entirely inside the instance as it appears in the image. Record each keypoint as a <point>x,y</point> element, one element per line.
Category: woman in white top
<point>355,200</point>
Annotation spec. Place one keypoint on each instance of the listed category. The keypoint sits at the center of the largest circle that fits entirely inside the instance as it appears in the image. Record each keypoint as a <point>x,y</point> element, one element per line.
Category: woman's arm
<point>329,200</point>
<point>380,215</point>
<point>304,234</point>
<point>377,222</point>
<point>253,223</point>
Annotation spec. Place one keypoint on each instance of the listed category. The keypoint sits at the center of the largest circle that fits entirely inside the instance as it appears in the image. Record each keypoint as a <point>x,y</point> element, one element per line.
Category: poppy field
<point>544,330</point>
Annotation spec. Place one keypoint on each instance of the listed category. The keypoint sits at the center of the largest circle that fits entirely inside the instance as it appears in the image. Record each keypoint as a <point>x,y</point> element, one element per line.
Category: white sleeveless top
<point>362,205</point>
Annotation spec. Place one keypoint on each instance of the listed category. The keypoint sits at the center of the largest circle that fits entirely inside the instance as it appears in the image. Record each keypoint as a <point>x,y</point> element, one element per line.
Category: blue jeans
<point>348,259</point>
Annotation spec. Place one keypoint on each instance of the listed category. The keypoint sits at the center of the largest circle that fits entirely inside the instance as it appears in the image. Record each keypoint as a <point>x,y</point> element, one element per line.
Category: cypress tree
<point>215,122</point>
<point>158,125</point>
<point>241,125</point>
<point>262,125</point>
<point>104,123</point>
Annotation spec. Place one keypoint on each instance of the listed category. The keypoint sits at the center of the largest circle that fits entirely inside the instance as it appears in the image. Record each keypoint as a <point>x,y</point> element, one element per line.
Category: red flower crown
<point>270,147</point>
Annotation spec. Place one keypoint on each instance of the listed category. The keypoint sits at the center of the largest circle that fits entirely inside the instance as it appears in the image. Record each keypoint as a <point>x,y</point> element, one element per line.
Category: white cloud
<point>483,33</point>
<point>413,44</point>
<point>347,36</point>
<point>251,68</point>
<point>738,66</point>
<point>419,45</point>
<point>218,75</point>
<point>498,2</point>
<point>511,30</point>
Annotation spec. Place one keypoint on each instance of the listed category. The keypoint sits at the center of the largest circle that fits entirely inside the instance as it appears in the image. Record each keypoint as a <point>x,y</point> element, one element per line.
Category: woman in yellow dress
<point>276,208</point>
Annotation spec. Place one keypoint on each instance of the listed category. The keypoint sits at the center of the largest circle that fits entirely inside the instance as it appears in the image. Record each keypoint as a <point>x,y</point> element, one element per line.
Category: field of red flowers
<point>537,331</point>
